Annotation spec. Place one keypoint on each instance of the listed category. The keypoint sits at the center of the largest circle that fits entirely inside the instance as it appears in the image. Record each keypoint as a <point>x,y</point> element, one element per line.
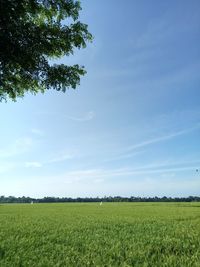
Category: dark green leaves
<point>31,33</point>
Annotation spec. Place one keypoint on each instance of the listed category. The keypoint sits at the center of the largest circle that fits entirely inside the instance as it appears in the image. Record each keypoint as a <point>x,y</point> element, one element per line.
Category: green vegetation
<point>12,199</point>
<point>89,234</point>
<point>32,32</point>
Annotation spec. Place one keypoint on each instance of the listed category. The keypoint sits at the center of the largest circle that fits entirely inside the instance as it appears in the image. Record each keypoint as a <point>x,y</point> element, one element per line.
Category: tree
<point>31,33</point>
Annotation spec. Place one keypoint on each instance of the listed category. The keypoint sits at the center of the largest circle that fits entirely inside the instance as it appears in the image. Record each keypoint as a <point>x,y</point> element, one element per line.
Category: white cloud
<point>152,179</point>
<point>37,131</point>
<point>100,182</point>
<point>94,175</point>
<point>33,164</point>
<point>157,128</point>
<point>155,34</point>
<point>60,157</point>
<point>87,117</point>
<point>124,156</point>
<point>163,138</point>
<point>18,147</point>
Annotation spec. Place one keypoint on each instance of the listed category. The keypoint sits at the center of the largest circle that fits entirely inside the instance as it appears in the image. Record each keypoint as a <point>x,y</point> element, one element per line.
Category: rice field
<point>89,234</point>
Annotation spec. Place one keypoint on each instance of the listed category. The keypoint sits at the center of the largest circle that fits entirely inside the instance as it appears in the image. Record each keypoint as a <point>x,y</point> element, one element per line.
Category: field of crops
<point>112,234</point>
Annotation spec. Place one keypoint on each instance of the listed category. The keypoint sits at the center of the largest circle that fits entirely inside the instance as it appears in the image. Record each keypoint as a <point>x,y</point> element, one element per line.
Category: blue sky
<point>133,125</point>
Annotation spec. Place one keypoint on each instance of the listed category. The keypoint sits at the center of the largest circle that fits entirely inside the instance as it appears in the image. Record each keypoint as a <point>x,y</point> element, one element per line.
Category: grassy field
<point>114,234</point>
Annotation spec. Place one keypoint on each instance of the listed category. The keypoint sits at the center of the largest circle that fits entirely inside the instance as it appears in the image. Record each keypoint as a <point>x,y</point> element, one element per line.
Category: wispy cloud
<point>18,147</point>
<point>154,34</point>
<point>123,156</point>
<point>37,131</point>
<point>62,186</point>
<point>163,138</point>
<point>87,117</point>
<point>81,118</point>
<point>60,157</point>
<point>104,176</point>
<point>154,180</point>
<point>140,147</point>
<point>34,164</point>
<point>162,29</point>
<point>100,175</point>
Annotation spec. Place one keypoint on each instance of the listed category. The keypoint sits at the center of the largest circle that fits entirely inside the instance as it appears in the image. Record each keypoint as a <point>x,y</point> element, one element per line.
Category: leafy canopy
<point>31,33</point>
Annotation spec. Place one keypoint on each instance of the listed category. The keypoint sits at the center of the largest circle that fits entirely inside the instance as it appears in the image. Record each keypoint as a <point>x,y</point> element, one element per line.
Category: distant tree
<point>31,33</point>
<point>12,199</point>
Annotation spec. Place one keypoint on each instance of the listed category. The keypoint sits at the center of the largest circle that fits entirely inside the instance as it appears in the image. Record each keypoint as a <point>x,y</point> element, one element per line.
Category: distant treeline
<point>12,199</point>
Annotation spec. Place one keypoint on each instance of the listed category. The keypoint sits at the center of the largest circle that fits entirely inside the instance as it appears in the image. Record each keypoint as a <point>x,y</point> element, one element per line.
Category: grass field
<point>114,234</point>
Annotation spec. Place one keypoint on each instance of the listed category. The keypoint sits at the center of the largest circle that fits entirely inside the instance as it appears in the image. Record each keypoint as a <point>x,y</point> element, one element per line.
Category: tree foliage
<point>31,33</point>
<point>12,199</point>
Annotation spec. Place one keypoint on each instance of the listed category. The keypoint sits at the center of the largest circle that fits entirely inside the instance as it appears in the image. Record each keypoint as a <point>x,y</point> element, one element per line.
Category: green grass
<point>114,234</point>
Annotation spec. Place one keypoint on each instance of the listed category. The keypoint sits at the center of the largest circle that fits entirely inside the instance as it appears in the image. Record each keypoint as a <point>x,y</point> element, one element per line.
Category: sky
<point>132,127</point>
